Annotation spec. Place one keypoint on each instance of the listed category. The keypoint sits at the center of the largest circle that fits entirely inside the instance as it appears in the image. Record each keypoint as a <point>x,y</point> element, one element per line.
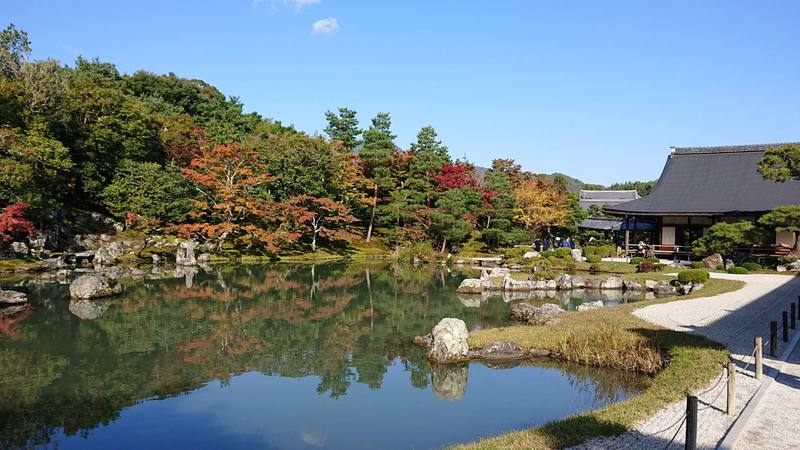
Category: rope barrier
<point>675,435</point>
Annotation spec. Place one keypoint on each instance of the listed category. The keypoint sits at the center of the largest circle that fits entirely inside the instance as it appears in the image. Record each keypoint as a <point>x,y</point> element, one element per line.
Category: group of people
<point>553,243</point>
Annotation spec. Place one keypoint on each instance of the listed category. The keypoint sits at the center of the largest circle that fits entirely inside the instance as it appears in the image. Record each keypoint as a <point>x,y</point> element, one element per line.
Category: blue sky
<point>597,90</point>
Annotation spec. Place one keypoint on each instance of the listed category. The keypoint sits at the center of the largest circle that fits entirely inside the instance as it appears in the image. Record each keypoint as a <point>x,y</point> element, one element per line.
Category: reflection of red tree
<point>8,324</point>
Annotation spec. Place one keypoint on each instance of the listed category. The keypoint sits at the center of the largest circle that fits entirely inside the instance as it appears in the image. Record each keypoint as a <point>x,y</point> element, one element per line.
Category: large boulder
<point>107,254</point>
<point>729,264</point>
<point>651,285</point>
<point>12,297</point>
<point>612,282</point>
<point>714,261</point>
<point>449,341</point>
<point>20,248</point>
<point>588,306</point>
<point>499,272</point>
<point>665,290</point>
<point>631,285</point>
<point>184,256</point>
<point>531,255</point>
<point>475,286</point>
<point>91,286</point>
<point>204,258</point>
<point>87,309</point>
<point>592,283</point>
<point>510,284</point>
<point>578,282</point>
<point>564,282</point>
<point>532,315</point>
<point>576,255</point>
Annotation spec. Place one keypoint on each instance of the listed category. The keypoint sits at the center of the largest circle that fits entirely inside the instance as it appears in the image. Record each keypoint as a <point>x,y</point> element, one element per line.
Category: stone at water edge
<point>20,248</point>
<point>475,286</point>
<point>204,258</point>
<point>12,297</point>
<point>91,286</point>
<point>449,342</point>
<point>612,283</point>
<point>184,256</point>
<point>500,350</point>
<point>631,285</point>
<point>484,275</point>
<point>532,315</point>
<point>564,282</point>
<point>714,261</point>
<point>651,284</point>
<point>499,272</point>
<point>588,306</point>
<point>510,284</point>
<point>576,254</point>
<point>578,282</point>
<point>107,254</point>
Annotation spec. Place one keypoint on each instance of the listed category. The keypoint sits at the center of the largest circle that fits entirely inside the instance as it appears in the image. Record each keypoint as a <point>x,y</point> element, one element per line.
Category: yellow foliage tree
<point>541,204</point>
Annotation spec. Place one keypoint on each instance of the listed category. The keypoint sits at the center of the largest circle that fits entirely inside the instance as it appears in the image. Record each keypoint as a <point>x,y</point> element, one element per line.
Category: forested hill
<point>177,155</point>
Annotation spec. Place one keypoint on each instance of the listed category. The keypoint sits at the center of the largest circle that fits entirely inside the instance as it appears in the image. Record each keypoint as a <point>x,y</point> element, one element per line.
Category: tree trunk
<point>796,249</point>
<point>444,244</point>
<point>488,221</point>
<point>314,242</point>
<point>372,216</point>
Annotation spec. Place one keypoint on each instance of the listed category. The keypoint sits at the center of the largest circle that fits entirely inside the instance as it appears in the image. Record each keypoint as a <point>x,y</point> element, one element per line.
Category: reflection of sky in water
<point>257,411</point>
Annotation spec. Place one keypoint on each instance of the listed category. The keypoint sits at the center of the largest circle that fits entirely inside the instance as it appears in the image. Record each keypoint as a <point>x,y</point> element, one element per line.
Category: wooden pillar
<point>636,229</point>
<point>627,235</point>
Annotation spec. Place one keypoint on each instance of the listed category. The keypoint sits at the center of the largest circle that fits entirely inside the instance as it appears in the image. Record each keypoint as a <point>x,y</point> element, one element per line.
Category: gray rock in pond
<point>588,306</point>
<point>538,352</point>
<point>475,286</point>
<point>449,381</point>
<point>10,310</point>
<point>423,341</point>
<point>204,258</point>
<point>510,284</point>
<point>499,272</point>
<point>665,290</point>
<point>184,256</point>
<point>564,282</point>
<point>484,275</point>
<point>107,254</point>
<point>91,286</point>
<point>651,284</point>
<point>449,341</point>
<point>612,282</point>
<point>576,254</point>
<point>578,282</point>
<point>714,261</point>
<point>12,297</point>
<point>87,309</point>
<point>500,350</point>
<point>592,283</point>
<point>631,285</point>
<point>532,315</point>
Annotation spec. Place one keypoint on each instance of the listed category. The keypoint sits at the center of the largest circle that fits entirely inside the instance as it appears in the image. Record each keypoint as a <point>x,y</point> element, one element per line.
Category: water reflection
<point>343,332</point>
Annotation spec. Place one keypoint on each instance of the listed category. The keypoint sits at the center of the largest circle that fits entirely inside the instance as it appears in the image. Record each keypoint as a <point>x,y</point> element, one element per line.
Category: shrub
<point>693,276</point>
<point>593,259</point>
<point>636,260</point>
<point>653,260</point>
<point>590,250</point>
<point>417,250</point>
<point>751,266</point>
<point>594,268</point>
<point>698,265</point>
<point>563,252</point>
<point>548,253</point>
<point>515,252</point>
<point>648,266</point>
<point>738,270</point>
<point>543,275</point>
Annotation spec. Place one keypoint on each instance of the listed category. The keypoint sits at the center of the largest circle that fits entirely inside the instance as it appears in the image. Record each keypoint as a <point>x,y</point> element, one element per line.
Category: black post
<point>773,338</point>
<point>785,326</point>
<point>691,422</point>
<point>793,314</point>
<point>798,304</point>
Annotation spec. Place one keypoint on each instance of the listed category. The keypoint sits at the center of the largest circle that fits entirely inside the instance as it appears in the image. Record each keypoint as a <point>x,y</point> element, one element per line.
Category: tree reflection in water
<point>71,367</point>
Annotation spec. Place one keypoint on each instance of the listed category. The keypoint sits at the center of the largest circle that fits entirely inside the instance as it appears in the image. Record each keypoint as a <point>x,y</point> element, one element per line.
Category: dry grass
<point>613,337</point>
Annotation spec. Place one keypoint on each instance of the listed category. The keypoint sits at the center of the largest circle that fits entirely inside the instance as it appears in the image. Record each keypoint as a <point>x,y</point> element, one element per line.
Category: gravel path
<point>734,319</point>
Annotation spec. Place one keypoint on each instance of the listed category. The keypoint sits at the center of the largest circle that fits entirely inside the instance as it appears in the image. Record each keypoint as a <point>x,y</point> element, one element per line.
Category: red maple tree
<point>14,223</point>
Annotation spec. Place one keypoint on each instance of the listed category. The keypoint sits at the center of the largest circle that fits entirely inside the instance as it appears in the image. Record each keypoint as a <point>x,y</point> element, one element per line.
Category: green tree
<point>150,190</point>
<point>343,127</point>
<point>428,155</point>
<point>453,218</point>
<point>376,157</point>
<point>14,50</point>
<point>497,212</point>
<point>723,236</point>
<point>781,164</point>
<point>784,218</point>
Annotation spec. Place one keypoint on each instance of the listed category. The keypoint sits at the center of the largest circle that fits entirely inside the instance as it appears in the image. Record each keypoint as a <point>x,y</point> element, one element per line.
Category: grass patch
<point>18,265</point>
<point>613,337</point>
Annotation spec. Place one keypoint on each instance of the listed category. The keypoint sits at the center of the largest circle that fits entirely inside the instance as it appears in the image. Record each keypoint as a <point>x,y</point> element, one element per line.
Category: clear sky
<point>596,89</point>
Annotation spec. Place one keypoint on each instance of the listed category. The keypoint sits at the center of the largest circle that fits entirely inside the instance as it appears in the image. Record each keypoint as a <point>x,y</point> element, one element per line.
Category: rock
<point>578,282</point>
<point>631,285</point>
<point>93,286</point>
<point>7,311</point>
<point>794,266</point>
<point>87,309</point>
<point>593,283</point>
<point>714,261</point>
<point>12,297</point>
<point>729,264</point>
<point>499,272</point>
<point>665,290</point>
<point>612,282</point>
<point>590,305</point>
<point>449,343</point>
<point>651,284</point>
<point>510,284</point>
<point>564,282</point>
<point>781,268</point>
<point>423,341</point>
<point>107,254</point>
<point>687,289</point>
<point>20,248</point>
<point>501,350</point>
<point>484,275</point>
<point>473,300</point>
<point>576,254</point>
<point>531,255</point>
<point>119,227</point>
<point>449,381</point>
<point>204,258</point>
<point>538,352</point>
<point>185,254</point>
<point>532,315</point>
<point>156,259</point>
<point>475,286</point>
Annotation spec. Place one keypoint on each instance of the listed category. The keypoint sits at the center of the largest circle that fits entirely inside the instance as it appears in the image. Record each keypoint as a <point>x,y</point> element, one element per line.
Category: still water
<point>273,357</point>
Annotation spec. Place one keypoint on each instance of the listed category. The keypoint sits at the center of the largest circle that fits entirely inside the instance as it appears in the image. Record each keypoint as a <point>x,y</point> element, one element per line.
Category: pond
<point>273,356</point>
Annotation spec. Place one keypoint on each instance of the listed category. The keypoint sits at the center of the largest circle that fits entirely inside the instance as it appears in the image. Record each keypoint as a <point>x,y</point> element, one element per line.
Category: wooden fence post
<point>691,422</point>
<point>731,406</point>
<point>758,355</point>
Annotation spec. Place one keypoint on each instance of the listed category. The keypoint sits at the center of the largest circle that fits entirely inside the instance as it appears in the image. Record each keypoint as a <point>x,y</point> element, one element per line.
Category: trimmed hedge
<point>698,265</point>
<point>593,259</point>
<point>738,270</point>
<point>752,266</point>
<point>636,260</point>
<point>563,252</point>
<point>693,276</point>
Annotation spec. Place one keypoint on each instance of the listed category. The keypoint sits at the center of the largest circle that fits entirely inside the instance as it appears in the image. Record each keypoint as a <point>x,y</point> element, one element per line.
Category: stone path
<point>733,319</point>
<point>775,423</point>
